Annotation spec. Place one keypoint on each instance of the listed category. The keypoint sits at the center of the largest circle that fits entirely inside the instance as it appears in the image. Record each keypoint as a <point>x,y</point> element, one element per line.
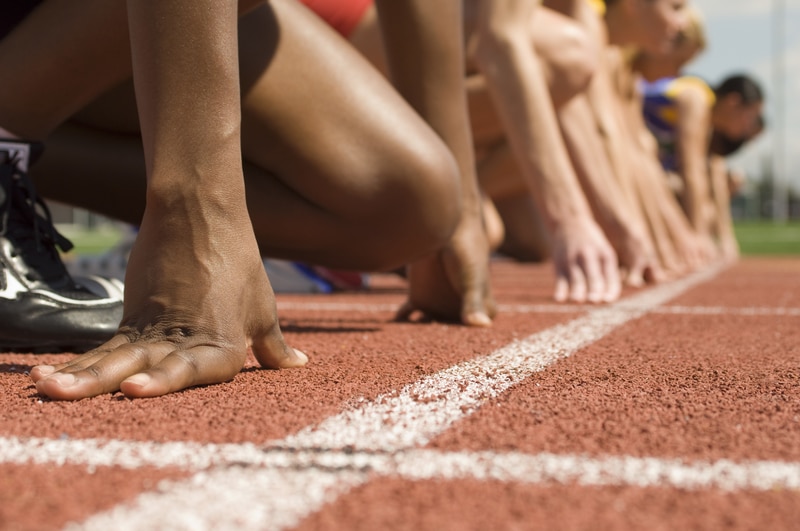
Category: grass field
<point>768,238</point>
<point>90,241</point>
<point>755,238</point>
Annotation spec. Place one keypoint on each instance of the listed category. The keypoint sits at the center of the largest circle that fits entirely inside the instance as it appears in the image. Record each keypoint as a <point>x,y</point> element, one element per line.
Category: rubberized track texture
<point>677,407</point>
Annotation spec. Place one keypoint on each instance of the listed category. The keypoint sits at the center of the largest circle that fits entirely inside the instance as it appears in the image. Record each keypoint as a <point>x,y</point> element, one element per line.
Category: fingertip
<point>595,296</point>
<point>302,358</point>
<point>59,386</point>
<point>41,371</point>
<point>404,312</point>
<point>562,290</point>
<point>477,319</point>
<point>634,280</point>
<point>141,385</point>
<point>613,293</point>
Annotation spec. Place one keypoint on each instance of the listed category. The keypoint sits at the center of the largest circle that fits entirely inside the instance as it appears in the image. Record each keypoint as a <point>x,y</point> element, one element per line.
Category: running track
<point>675,408</point>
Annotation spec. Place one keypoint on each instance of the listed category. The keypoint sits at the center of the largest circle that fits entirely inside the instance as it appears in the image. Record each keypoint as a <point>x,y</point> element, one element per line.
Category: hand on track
<point>195,301</point>
<point>585,263</point>
<point>454,283</point>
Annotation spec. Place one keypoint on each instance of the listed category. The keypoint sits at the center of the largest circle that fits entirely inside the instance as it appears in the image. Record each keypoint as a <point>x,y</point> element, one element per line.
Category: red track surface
<point>678,408</point>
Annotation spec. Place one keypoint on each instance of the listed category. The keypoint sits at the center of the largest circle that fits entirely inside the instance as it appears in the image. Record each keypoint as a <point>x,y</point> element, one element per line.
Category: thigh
<point>325,123</point>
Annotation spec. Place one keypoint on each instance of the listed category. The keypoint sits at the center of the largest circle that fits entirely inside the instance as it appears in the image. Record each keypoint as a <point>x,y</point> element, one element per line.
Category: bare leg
<point>312,177</point>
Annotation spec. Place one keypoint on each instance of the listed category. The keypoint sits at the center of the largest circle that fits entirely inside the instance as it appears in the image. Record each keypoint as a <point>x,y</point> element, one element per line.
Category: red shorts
<point>341,15</point>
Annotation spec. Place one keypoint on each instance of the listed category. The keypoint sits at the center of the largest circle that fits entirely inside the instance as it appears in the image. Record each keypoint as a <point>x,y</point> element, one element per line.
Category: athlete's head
<point>691,39</point>
<point>687,44</point>
<point>652,24</point>
<point>737,111</point>
<point>725,146</point>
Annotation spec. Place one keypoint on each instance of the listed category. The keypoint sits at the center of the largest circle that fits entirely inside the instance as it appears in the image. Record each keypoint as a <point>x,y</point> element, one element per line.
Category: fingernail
<point>45,370</point>
<point>301,355</point>
<point>140,379</point>
<point>478,319</point>
<point>63,379</point>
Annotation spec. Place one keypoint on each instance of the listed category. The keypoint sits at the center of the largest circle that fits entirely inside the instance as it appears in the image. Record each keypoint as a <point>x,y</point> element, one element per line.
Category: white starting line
<point>277,485</point>
<point>547,308</point>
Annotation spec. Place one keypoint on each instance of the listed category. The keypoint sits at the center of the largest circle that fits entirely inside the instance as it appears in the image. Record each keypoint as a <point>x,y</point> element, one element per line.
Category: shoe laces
<point>26,221</point>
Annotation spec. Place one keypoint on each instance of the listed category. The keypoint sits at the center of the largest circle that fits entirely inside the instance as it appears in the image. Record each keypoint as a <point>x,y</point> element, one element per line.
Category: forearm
<point>610,204</point>
<point>185,67</point>
<point>723,222</point>
<point>519,91</point>
<point>697,197</point>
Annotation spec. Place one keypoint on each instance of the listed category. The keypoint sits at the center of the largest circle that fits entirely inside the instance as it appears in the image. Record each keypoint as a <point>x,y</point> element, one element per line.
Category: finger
<point>595,283</point>
<point>612,279</point>
<point>562,288</point>
<point>654,274</point>
<point>490,304</point>
<point>181,369</point>
<point>473,302</point>
<point>272,352</point>
<point>634,277</point>
<point>577,280</point>
<point>405,311</point>
<point>103,375</point>
<point>80,362</point>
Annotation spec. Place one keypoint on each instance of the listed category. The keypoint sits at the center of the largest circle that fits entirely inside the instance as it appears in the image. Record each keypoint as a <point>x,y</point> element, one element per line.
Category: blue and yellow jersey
<point>661,112</point>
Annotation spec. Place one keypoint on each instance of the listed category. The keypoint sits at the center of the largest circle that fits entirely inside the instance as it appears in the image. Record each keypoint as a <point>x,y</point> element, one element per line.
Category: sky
<point>741,38</point>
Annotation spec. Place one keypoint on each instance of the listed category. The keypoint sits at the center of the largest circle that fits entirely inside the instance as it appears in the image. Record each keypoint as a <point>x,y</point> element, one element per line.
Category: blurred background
<point>758,37</point>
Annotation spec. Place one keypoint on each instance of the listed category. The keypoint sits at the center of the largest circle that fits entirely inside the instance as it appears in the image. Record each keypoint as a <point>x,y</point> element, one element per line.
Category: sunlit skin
<point>197,297</point>
<point>705,192</point>
<point>523,61</point>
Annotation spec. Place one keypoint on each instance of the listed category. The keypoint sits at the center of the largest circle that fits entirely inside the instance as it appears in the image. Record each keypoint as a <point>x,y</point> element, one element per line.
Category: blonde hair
<point>695,30</point>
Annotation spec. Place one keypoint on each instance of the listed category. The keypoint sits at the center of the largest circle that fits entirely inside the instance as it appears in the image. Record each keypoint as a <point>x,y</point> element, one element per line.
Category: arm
<point>722,222</point>
<point>428,70</point>
<point>585,263</point>
<point>620,220</point>
<point>693,248</point>
<point>196,293</point>
<point>694,122</point>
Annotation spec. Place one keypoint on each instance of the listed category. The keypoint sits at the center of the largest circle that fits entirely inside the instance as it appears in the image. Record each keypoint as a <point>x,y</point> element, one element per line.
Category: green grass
<point>91,241</point>
<point>755,238</point>
<point>766,237</point>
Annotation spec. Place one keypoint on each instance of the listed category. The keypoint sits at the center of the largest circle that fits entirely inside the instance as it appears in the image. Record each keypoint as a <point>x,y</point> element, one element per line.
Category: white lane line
<point>396,422</point>
<point>418,464</point>
<point>548,308</point>
<point>598,471</point>
<point>229,499</point>
<point>722,310</point>
<point>246,497</point>
<point>422,410</point>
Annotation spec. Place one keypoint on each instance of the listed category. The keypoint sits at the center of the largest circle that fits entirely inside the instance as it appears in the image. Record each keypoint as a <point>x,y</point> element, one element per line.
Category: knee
<point>419,207</point>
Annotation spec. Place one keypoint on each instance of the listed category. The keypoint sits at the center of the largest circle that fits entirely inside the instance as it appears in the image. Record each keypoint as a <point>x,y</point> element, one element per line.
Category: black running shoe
<point>41,307</point>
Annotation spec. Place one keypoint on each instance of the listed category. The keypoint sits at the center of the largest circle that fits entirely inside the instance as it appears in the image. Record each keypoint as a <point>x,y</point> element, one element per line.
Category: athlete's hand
<point>195,301</point>
<point>453,283</point>
<point>586,264</point>
<point>638,259</point>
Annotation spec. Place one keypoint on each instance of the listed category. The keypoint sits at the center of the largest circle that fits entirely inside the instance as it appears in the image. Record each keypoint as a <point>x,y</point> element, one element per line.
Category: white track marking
<point>392,423</point>
<point>722,310</point>
<point>418,464</point>
<point>242,497</point>
<point>422,410</point>
<point>229,499</point>
<point>547,308</point>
